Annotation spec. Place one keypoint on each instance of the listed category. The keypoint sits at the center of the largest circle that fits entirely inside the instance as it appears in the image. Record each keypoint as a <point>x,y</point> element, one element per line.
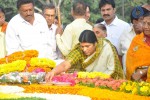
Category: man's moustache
<point>106,15</point>
<point>29,16</point>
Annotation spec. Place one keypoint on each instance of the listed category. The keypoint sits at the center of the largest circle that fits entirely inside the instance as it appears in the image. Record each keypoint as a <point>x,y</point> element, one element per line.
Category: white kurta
<point>71,34</point>
<point>21,35</point>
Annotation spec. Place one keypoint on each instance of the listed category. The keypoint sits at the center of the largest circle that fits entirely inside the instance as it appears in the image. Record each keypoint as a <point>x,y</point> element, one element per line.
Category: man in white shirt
<point>49,13</point>
<point>28,30</point>
<point>115,27</point>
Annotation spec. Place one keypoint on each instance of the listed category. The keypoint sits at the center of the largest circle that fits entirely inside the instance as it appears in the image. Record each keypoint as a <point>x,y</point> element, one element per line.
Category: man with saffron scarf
<point>93,55</point>
<point>138,55</point>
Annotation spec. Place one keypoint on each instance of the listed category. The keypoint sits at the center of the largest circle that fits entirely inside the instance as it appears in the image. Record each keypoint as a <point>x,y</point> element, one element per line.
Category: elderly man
<point>28,30</point>
<point>49,13</point>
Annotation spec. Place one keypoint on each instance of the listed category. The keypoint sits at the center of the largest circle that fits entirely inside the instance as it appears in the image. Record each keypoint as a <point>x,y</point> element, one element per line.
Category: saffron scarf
<point>3,27</point>
<point>138,55</point>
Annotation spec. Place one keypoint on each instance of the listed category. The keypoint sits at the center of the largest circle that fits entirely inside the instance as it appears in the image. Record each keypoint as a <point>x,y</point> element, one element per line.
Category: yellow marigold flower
<point>134,91</point>
<point>42,62</point>
<point>92,75</point>
<point>128,87</point>
<point>122,87</point>
<point>144,88</point>
<point>18,65</point>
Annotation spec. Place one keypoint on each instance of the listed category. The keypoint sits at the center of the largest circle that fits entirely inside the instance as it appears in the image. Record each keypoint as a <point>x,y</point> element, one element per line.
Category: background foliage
<point>123,7</point>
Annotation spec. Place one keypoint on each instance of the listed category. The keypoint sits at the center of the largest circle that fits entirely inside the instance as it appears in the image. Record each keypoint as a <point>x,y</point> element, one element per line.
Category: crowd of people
<point>111,45</point>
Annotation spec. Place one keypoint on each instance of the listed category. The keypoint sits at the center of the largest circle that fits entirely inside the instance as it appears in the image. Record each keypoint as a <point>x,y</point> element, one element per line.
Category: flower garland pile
<point>45,64</point>
<point>18,65</point>
<point>77,77</point>
<point>19,55</point>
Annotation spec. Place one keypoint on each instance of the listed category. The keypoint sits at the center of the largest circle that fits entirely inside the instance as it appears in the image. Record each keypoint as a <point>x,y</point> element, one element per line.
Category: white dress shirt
<point>56,51</point>
<point>21,35</point>
<point>125,41</point>
<point>114,31</point>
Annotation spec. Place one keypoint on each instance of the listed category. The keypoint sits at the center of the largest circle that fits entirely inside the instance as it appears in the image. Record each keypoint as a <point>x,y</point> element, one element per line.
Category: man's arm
<point>64,41</point>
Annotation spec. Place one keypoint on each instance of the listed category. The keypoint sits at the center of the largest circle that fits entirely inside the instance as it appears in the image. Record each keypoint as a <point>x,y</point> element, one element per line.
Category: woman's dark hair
<point>22,2</point>
<point>2,10</point>
<point>104,2</point>
<point>87,36</point>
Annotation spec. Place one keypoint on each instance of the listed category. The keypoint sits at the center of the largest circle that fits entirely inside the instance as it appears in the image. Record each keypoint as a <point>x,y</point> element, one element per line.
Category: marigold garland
<point>92,75</point>
<point>19,55</point>
<point>44,63</point>
<point>18,65</point>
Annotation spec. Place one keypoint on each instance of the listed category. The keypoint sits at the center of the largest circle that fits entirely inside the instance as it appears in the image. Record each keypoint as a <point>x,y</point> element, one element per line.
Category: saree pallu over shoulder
<point>118,72</point>
<point>102,60</point>
<point>99,48</point>
<point>138,55</point>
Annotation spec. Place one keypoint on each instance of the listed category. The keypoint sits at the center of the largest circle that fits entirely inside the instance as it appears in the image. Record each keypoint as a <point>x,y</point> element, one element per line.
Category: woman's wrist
<point>142,71</point>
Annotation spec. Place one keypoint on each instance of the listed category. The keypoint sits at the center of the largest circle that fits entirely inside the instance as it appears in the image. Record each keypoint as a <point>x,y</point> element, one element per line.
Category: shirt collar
<point>35,19</point>
<point>53,26</point>
<point>114,22</point>
<point>79,20</point>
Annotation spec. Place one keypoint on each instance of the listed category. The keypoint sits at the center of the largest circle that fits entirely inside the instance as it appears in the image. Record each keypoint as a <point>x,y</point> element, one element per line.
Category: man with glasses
<point>49,13</point>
